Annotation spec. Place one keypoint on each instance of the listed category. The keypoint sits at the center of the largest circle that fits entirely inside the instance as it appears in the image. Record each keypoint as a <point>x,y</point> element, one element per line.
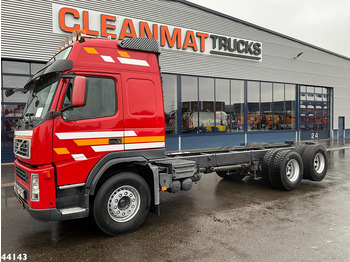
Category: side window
<point>100,102</point>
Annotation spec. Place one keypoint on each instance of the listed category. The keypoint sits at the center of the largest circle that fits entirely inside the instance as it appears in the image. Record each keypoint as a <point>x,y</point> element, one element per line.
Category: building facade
<point>226,82</point>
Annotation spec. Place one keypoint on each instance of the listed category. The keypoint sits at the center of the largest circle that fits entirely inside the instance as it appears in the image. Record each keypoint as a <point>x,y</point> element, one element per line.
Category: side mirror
<point>9,92</point>
<point>79,92</point>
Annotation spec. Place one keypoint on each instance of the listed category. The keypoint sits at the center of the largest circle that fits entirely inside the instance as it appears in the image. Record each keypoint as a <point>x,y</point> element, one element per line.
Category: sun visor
<point>141,44</point>
<point>55,67</point>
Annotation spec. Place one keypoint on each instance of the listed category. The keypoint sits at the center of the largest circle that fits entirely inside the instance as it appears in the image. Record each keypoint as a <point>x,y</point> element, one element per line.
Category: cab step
<point>73,212</point>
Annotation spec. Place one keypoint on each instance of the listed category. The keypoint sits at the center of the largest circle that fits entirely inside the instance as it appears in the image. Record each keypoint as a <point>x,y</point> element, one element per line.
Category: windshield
<point>40,98</point>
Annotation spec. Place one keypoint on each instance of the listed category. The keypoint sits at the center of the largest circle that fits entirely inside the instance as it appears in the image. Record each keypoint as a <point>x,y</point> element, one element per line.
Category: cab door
<point>83,135</point>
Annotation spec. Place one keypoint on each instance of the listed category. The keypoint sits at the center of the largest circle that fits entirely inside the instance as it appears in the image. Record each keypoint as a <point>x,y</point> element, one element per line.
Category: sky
<point>323,23</point>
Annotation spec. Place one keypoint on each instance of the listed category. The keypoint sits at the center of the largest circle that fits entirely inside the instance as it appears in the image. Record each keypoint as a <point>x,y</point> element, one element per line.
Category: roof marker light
<point>82,31</point>
<point>70,39</point>
<point>75,36</point>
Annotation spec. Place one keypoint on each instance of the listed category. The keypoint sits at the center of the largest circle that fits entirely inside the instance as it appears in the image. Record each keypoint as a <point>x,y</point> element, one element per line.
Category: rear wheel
<point>300,149</point>
<point>315,162</point>
<point>287,170</point>
<point>267,165</point>
<point>122,203</point>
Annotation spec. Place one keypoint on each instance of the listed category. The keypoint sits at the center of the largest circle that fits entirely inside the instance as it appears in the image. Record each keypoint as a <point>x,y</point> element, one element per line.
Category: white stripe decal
<point>81,135</point>
<point>71,186</point>
<point>24,133</point>
<point>131,61</point>
<point>144,145</point>
<point>78,157</point>
<point>108,148</point>
<point>107,58</point>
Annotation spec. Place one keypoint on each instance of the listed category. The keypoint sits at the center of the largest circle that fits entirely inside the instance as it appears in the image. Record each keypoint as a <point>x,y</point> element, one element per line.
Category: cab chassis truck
<point>91,140</point>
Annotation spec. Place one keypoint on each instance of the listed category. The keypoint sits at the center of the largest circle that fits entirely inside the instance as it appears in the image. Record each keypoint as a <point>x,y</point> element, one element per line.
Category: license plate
<point>18,190</point>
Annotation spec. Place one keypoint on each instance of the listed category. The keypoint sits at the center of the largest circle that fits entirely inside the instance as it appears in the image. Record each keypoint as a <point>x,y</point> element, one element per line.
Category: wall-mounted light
<point>298,55</point>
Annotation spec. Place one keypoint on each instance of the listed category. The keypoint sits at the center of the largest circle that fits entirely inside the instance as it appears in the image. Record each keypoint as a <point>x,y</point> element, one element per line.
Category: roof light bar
<point>75,36</point>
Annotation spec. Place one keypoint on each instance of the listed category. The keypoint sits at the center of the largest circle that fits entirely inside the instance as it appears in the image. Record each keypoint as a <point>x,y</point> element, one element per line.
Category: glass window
<point>237,101</point>
<point>206,106</point>
<point>13,110</point>
<point>253,94</point>
<point>318,97</point>
<point>40,97</point>
<point>314,111</point>
<point>266,118</point>
<point>278,106</point>
<point>14,81</point>
<point>100,101</point>
<point>189,104</point>
<point>13,67</point>
<point>222,105</point>
<point>310,97</point>
<point>7,139</point>
<point>310,89</point>
<point>310,117</point>
<point>10,124</point>
<point>170,103</point>
<point>303,119</point>
<point>318,90</point>
<point>318,118</point>
<point>35,67</point>
<point>289,114</point>
<point>15,74</point>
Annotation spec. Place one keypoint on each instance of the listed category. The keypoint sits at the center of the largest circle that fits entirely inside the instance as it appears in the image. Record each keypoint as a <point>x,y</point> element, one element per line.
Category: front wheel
<point>122,203</point>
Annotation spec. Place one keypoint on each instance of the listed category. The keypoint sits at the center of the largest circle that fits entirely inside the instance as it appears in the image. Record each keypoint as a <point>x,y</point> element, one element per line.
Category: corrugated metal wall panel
<point>27,34</point>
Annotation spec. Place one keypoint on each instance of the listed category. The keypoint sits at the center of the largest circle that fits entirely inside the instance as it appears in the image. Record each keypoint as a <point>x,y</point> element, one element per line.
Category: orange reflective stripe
<point>92,142</point>
<point>144,139</point>
<point>28,137</point>
<point>90,50</point>
<point>123,54</point>
<point>61,151</point>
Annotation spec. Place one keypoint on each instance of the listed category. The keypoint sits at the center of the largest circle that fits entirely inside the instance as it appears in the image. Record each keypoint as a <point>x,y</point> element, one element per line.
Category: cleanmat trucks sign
<point>67,19</point>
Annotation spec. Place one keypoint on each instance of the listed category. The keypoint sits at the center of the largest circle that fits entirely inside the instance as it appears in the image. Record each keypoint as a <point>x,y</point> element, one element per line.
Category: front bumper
<point>50,214</point>
<point>40,214</point>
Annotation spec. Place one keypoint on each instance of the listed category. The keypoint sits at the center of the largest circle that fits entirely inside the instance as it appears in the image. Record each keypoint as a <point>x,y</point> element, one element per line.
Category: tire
<point>222,174</point>
<point>287,170</point>
<point>266,167</point>
<point>114,211</point>
<point>300,149</point>
<point>315,162</point>
<point>235,176</point>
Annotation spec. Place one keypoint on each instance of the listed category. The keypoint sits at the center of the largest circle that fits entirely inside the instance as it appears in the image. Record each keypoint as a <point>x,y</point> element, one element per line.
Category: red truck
<point>91,140</point>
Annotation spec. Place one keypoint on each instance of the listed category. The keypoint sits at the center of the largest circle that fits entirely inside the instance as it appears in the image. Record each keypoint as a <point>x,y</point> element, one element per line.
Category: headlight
<point>34,187</point>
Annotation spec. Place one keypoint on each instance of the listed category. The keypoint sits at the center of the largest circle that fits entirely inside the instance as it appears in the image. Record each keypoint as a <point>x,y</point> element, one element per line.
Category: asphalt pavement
<point>217,220</point>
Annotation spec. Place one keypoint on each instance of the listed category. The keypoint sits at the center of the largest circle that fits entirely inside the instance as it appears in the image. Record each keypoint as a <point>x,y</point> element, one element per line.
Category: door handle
<point>115,141</point>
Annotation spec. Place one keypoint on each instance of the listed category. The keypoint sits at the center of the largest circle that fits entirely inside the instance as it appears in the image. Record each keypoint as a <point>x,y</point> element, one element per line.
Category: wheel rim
<point>123,204</point>
<point>319,163</point>
<point>292,170</point>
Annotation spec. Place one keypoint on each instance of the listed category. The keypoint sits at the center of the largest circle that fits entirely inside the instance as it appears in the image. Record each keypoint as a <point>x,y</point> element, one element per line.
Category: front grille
<point>22,174</point>
<point>21,147</point>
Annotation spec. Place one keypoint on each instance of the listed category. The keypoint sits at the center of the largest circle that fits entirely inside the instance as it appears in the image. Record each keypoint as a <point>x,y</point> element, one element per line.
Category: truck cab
<point>95,110</point>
